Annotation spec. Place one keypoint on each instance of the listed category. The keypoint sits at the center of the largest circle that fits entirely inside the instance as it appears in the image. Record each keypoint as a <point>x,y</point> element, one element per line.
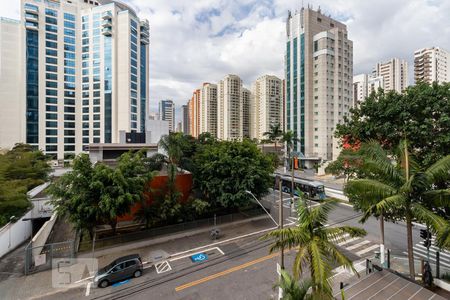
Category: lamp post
<point>257,201</point>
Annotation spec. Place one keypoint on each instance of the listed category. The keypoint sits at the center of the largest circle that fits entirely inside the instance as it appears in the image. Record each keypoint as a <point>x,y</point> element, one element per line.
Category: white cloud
<point>203,40</point>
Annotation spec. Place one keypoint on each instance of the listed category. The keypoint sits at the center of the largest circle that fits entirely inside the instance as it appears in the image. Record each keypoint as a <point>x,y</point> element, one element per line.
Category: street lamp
<point>257,201</point>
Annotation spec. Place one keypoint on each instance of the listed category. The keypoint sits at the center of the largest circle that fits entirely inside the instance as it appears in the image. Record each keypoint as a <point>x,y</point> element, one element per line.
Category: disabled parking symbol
<point>199,257</point>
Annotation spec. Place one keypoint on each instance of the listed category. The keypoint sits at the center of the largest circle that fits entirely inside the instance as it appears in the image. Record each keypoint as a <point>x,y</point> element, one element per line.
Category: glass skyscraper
<point>86,73</point>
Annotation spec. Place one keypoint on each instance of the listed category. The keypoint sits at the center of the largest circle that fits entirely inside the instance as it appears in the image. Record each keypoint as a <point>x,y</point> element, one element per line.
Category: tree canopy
<point>421,115</point>
<point>21,169</point>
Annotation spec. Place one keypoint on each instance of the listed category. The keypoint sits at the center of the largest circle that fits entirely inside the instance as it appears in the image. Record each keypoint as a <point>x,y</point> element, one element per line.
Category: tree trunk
<point>382,229</point>
<point>410,246</point>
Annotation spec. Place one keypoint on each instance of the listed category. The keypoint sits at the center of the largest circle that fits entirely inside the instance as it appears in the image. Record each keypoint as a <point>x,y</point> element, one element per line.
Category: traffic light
<point>425,234</point>
<point>427,243</point>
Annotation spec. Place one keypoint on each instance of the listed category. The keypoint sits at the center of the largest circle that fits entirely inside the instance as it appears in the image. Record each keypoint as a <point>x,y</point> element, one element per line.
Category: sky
<point>196,41</point>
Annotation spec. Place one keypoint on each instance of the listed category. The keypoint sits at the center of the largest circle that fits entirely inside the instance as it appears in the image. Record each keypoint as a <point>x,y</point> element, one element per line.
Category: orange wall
<point>183,184</point>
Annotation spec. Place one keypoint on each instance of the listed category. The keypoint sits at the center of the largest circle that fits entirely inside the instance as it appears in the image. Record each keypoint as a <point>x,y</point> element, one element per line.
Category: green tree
<point>421,115</point>
<point>90,194</point>
<point>403,189</point>
<point>293,289</point>
<point>315,244</point>
<point>274,134</point>
<point>226,169</point>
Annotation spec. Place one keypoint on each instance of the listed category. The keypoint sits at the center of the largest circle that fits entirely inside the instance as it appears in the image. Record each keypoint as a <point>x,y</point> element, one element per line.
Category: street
<point>244,266</point>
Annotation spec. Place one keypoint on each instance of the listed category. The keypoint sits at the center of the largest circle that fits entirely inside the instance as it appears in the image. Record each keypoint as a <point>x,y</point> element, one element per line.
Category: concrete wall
<point>41,237</point>
<point>13,234</point>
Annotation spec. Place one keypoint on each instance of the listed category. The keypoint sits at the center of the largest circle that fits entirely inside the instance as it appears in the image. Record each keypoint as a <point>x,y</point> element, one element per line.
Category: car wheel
<point>104,283</point>
<point>138,273</point>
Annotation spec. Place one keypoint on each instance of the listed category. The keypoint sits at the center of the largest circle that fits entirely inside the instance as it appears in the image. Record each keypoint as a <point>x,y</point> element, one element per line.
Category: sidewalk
<point>40,284</point>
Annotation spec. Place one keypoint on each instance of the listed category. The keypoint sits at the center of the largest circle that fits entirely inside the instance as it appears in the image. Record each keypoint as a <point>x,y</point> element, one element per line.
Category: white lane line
<point>348,241</point>
<point>88,289</point>
<point>358,245</point>
<point>373,247</point>
<point>83,279</point>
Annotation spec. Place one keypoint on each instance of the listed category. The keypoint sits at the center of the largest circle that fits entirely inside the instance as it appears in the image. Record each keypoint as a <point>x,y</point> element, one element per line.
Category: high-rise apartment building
<point>229,108</point>
<point>86,70</point>
<point>266,105</point>
<point>319,74</point>
<point>185,119</point>
<point>208,109</point>
<point>360,88</point>
<point>12,84</point>
<point>167,113</point>
<point>394,73</point>
<point>432,65</point>
<point>246,118</point>
<point>194,113</point>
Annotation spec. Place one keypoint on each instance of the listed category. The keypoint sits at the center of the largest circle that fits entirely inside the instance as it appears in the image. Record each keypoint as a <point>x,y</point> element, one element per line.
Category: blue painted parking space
<point>199,257</point>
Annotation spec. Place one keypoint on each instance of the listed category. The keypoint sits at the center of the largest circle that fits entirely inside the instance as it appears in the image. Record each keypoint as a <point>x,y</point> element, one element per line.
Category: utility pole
<point>280,221</point>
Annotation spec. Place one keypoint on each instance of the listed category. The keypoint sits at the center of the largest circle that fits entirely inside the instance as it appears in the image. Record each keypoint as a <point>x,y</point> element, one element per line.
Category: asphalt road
<point>245,270</point>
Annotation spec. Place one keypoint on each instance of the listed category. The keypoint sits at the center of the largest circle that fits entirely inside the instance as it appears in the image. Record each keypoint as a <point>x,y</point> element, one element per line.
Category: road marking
<point>340,237</point>
<point>88,289</point>
<point>348,241</point>
<point>223,273</point>
<point>83,279</point>
<point>163,267</point>
<point>190,254</point>
<point>353,247</point>
<point>373,247</point>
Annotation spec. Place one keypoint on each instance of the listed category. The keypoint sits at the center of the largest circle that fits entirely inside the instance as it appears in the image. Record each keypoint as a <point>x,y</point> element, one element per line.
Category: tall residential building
<point>246,102</point>
<point>319,74</point>
<point>194,113</point>
<point>266,105</point>
<point>86,70</point>
<point>12,84</point>
<point>167,113</point>
<point>153,116</point>
<point>229,110</point>
<point>185,119</point>
<point>395,74</point>
<point>432,65</point>
<point>208,109</point>
<point>360,88</point>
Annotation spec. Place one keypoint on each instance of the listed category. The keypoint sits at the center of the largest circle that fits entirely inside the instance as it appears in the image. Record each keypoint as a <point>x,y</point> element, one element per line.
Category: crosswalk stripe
<point>340,237</point>
<point>373,247</point>
<point>433,249</point>
<point>420,254</point>
<point>358,245</point>
<point>348,241</point>
<point>433,254</point>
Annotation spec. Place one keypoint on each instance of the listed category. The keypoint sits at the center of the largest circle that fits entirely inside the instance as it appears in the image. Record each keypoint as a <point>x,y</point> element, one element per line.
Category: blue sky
<point>202,40</point>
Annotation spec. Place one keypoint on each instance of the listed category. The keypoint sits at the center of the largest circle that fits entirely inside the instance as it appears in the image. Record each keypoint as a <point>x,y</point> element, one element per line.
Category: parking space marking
<point>88,289</point>
<point>163,267</point>
<point>206,250</point>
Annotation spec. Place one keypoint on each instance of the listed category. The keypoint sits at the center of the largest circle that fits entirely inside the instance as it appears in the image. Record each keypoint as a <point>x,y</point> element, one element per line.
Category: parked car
<point>120,269</point>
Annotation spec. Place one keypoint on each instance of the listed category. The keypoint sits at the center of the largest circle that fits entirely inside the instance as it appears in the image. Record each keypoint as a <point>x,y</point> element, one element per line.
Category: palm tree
<point>289,138</point>
<point>172,144</point>
<point>402,189</point>
<point>292,289</point>
<point>274,134</point>
<point>315,244</point>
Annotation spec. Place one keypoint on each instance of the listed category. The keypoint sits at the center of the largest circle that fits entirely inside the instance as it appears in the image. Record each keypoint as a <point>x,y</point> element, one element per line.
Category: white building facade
<point>87,75</point>
<point>12,84</point>
<point>394,73</point>
<point>208,109</point>
<point>432,65</point>
<point>230,109</point>
<point>266,105</point>
<point>319,77</point>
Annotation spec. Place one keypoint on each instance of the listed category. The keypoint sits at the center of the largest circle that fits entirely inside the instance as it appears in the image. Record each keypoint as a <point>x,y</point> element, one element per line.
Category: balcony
<point>31,9</point>
<point>107,31</point>
<point>31,25</point>
<point>31,17</point>
<point>144,25</point>
<point>107,15</point>
<point>144,33</point>
<point>107,23</point>
<point>145,40</point>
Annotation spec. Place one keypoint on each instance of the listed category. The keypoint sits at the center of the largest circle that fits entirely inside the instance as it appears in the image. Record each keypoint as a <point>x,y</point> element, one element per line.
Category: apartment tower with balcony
<point>86,70</point>
<point>319,75</point>
<point>266,105</point>
<point>167,113</point>
<point>394,73</point>
<point>229,108</point>
<point>432,65</point>
<point>208,108</point>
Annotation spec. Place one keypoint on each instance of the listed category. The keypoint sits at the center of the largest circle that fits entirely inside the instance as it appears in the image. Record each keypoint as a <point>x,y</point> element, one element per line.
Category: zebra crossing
<point>357,245</point>
<point>420,251</point>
